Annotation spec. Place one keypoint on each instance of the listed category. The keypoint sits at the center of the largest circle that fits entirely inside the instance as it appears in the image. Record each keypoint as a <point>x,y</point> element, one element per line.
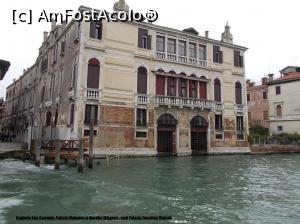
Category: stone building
<point>258,104</point>
<point>154,90</point>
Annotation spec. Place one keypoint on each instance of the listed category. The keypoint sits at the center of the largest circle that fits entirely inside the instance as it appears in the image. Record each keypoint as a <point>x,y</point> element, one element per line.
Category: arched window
<point>278,110</point>
<point>142,80</point>
<point>238,93</point>
<point>202,89</point>
<point>93,74</point>
<point>217,90</point>
<point>166,119</point>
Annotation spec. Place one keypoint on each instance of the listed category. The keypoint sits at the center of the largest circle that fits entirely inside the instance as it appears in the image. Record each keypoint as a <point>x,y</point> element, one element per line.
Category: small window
<point>88,113</point>
<point>87,132</point>
<point>279,128</point>
<point>96,30</point>
<point>248,97</point>
<point>160,43</point>
<point>238,59</point>
<point>141,117</point>
<point>265,95</point>
<point>239,123</point>
<point>249,116</point>
<point>141,134</point>
<point>218,122</point>
<point>278,110</point>
<point>278,90</point>
<point>219,136</point>
<point>217,54</point>
<point>71,116</point>
<point>265,115</point>
<point>48,118</point>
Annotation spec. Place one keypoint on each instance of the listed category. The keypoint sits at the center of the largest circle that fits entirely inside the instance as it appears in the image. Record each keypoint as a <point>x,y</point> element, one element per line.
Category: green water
<point>213,189</point>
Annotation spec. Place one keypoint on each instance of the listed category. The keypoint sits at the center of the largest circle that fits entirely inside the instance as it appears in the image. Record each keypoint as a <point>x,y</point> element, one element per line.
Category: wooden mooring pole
<point>57,154</point>
<point>91,140</point>
<point>80,164</point>
<point>37,157</point>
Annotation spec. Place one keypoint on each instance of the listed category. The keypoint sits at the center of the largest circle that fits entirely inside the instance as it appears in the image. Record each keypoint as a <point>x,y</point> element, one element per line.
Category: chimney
<point>264,80</point>
<point>271,77</point>
<point>45,35</point>
<point>207,34</point>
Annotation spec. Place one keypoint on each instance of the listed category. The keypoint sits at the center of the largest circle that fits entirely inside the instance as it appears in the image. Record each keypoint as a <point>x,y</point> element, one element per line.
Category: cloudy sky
<point>270,29</point>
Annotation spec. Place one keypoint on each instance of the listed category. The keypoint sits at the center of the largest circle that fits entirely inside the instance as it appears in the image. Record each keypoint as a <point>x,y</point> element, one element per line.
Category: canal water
<point>212,189</point>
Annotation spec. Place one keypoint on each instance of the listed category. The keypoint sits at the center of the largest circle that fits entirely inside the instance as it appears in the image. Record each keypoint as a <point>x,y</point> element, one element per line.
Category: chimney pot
<point>207,34</point>
<point>271,77</point>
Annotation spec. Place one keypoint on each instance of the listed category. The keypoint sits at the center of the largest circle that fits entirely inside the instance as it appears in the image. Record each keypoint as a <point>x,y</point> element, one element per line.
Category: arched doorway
<point>166,135</point>
<point>199,135</point>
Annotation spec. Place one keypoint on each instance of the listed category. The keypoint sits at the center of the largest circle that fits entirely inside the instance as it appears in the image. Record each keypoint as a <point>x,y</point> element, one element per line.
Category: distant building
<point>258,105</point>
<point>284,103</point>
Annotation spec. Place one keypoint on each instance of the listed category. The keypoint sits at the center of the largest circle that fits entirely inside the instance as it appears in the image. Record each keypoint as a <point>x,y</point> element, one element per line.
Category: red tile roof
<point>288,77</point>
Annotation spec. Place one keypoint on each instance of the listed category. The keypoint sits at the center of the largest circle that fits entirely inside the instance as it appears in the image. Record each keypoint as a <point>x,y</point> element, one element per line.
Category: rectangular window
<point>96,30</point>
<point>141,117</point>
<point>71,116</point>
<point>249,116</point>
<point>192,50</point>
<point>218,122</point>
<point>239,123</point>
<point>160,43</point>
<point>182,48</point>
<point>279,128</point>
<point>217,54</point>
<point>265,95</point>
<point>144,40</point>
<point>265,115</point>
<point>171,46</point>
<point>141,134</point>
<point>202,52</point>
<point>248,97</point>
<point>87,132</point>
<point>88,111</point>
<point>238,59</point>
<point>278,90</point>
<point>160,85</point>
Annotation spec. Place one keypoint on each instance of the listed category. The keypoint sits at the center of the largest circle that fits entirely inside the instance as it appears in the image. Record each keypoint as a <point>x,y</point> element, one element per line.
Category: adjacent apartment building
<point>153,89</point>
<point>258,104</point>
<point>284,103</point>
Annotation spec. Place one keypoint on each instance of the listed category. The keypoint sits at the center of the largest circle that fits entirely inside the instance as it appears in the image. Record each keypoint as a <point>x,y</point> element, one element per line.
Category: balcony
<point>187,102</point>
<point>239,108</point>
<point>180,59</point>
<point>92,94</point>
<point>142,99</point>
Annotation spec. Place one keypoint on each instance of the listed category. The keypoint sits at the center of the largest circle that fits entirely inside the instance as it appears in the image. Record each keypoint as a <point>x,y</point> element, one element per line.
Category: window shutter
<point>221,57</point>
<point>92,28</point>
<point>141,33</point>
<point>93,76</point>
<point>236,58</point>
<point>241,61</point>
<point>160,85</point>
<point>142,83</point>
<point>202,90</point>
<point>149,42</point>
<point>72,114</point>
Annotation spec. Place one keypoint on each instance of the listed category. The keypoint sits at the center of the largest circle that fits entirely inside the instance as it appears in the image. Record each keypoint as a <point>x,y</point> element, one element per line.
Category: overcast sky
<point>270,29</point>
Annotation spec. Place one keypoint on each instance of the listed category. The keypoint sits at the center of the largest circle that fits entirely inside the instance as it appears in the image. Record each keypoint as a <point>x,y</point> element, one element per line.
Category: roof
<point>289,77</point>
<point>4,65</point>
